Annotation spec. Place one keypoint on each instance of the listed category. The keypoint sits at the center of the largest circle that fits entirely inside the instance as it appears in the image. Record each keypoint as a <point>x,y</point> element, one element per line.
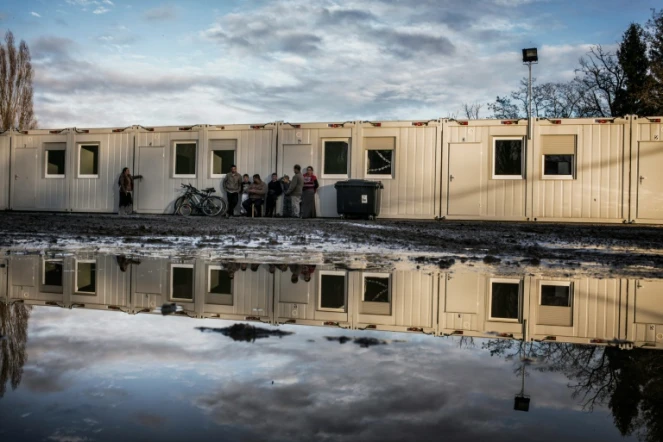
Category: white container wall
<point>646,200</point>
<point>485,169</point>
<point>405,156</point>
<point>5,142</point>
<point>586,170</point>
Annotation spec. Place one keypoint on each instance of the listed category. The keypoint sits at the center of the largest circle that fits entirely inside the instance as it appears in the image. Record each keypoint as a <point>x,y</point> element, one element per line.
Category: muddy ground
<point>618,248</point>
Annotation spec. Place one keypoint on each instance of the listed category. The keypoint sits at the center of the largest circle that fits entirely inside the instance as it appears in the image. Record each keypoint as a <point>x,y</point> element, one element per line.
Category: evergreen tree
<point>632,56</point>
<point>654,92</point>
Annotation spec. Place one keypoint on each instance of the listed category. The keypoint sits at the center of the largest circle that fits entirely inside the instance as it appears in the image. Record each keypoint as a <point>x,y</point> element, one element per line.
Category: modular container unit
<point>646,159</point>
<point>580,170</point>
<point>644,315</point>
<point>479,305</point>
<point>579,310</point>
<point>486,170</point>
<point>396,301</point>
<point>5,143</point>
<point>404,156</point>
<point>322,300</point>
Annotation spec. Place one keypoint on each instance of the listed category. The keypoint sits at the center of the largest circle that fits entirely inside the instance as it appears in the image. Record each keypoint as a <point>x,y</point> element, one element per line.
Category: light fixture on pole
<point>530,56</point>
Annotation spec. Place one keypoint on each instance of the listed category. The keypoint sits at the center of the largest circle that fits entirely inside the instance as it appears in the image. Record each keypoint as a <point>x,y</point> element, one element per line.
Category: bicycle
<point>200,201</point>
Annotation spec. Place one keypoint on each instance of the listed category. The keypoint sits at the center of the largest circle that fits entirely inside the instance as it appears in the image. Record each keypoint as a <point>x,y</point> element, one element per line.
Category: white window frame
<point>85,261</point>
<point>568,284</point>
<point>348,165</point>
<point>522,159</point>
<point>557,177</point>
<point>370,176</point>
<point>211,162</point>
<point>58,176</point>
<point>209,280</point>
<point>375,275</point>
<point>345,290</point>
<point>195,163</point>
<point>172,274</point>
<point>48,287</point>
<point>78,154</point>
<point>520,299</point>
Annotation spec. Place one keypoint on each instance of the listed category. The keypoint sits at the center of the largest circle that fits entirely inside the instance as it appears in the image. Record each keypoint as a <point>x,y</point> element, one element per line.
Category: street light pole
<point>530,56</point>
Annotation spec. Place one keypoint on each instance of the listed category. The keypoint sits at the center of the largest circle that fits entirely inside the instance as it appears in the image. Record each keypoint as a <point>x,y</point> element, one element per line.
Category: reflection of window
<point>505,299</point>
<point>558,156</point>
<point>220,282</point>
<point>508,158</point>
<point>54,156</point>
<point>555,303</point>
<point>181,281</point>
<point>380,156</point>
<point>332,291</point>
<point>88,161</point>
<point>52,276</point>
<point>556,295</point>
<point>223,156</point>
<point>86,277</point>
<point>335,159</point>
<point>185,160</point>
<point>376,296</point>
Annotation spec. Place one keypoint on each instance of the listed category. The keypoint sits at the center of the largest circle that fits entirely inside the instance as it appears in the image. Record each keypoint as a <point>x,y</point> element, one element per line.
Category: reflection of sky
<point>95,375</point>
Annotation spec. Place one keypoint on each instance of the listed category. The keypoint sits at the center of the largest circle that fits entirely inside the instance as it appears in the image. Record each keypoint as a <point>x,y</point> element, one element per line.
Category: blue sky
<point>122,62</point>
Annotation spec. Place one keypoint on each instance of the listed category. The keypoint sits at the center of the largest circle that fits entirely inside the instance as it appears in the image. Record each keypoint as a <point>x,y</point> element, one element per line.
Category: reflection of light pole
<point>521,401</point>
<point>530,57</point>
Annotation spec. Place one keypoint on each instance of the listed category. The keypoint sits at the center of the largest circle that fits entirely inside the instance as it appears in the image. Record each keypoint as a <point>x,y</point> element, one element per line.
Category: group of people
<point>305,272</point>
<point>298,193</point>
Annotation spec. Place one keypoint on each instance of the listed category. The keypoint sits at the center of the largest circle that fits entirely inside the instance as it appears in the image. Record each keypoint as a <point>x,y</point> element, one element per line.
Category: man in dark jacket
<point>295,190</point>
<point>257,192</point>
<point>232,185</point>
<point>274,190</point>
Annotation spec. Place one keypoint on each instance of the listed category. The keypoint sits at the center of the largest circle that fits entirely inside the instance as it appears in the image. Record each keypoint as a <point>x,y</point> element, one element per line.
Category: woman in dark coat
<point>126,183</point>
<point>308,194</point>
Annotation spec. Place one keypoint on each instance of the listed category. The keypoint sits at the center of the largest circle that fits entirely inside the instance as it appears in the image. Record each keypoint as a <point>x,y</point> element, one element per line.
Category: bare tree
<point>472,110</point>
<point>601,77</point>
<point>16,92</point>
<point>14,328</point>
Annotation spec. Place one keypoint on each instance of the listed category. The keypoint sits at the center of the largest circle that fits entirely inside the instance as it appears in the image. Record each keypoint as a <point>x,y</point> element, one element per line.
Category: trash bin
<point>359,198</point>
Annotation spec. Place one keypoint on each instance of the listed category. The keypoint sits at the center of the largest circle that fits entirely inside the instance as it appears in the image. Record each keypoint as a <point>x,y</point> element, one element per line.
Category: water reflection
<point>590,334</point>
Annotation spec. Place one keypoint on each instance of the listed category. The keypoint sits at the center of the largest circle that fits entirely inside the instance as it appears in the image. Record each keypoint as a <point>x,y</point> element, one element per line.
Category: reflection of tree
<point>628,382</point>
<point>14,328</point>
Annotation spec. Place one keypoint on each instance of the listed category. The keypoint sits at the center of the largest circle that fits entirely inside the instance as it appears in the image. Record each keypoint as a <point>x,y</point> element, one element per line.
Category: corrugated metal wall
<point>646,161</point>
<point>5,141</point>
<point>599,190</point>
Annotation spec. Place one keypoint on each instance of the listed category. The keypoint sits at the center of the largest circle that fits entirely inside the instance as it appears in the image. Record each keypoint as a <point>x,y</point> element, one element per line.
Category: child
<point>246,182</point>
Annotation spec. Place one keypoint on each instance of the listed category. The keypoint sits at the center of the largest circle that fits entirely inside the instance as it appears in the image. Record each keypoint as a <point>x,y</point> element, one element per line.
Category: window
<point>185,160</point>
<point>380,156</point>
<point>555,294</point>
<point>219,281</point>
<point>376,298</point>
<point>558,157</point>
<point>335,158</point>
<point>54,156</point>
<point>505,299</point>
<point>88,161</point>
<point>332,291</point>
<point>508,158</point>
<point>555,303</point>
<point>52,276</point>
<point>181,282</point>
<point>86,277</point>
<point>223,156</point>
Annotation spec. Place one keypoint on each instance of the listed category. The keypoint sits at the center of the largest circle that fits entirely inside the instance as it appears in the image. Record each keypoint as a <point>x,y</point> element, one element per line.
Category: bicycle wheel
<point>178,202</point>
<point>185,209</point>
<point>215,205</point>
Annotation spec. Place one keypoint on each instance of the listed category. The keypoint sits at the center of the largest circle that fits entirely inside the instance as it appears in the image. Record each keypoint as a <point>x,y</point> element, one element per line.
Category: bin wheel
<point>371,217</point>
<point>342,216</point>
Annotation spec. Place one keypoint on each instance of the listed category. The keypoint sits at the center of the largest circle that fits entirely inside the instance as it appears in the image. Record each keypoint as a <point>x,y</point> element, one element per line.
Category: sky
<point>102,63</point>
<point>103,376</point>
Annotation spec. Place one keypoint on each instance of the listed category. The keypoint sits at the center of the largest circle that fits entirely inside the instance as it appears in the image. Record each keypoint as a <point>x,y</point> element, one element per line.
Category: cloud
<point>161,13</point>
<point>34,14</point>
<point>100,10</point>
<point>108,2</point>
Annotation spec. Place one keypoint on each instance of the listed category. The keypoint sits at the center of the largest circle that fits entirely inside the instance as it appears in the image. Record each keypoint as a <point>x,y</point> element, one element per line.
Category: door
<point>650,181</point>
<point>301,154</point>
<point>151,189</point>
<point>465,179</point>
<point>25,179</point>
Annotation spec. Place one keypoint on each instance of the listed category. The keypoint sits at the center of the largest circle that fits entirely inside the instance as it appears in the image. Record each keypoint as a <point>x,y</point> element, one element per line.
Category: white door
<point>25,179</point>
<point>650,181</point>
<point>465,179</point>
<point>292,154</point>
<point>151,189</point>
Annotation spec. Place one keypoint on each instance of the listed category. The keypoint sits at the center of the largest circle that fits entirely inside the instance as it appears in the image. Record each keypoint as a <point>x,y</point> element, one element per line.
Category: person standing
<point>126,183</point>
<point>274,190</point>
<point>308,194</point>
<point>256,192</point>
<point>246,182</point>
<point>287,206</point>
<point>295,190</point>
<point>233,186</point>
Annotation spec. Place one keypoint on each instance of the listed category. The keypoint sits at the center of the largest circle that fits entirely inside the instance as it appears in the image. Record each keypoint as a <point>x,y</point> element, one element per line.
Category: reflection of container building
<point>595,170</point>
<point>579,310</point>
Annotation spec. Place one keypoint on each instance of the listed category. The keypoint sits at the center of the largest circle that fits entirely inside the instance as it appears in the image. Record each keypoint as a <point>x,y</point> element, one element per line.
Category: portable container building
<point>168,157</point>
<point>5,181</point>
<point>646,160</point>
<point>486,169</point>
<point>312,295</point>
<point>580,169</point>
